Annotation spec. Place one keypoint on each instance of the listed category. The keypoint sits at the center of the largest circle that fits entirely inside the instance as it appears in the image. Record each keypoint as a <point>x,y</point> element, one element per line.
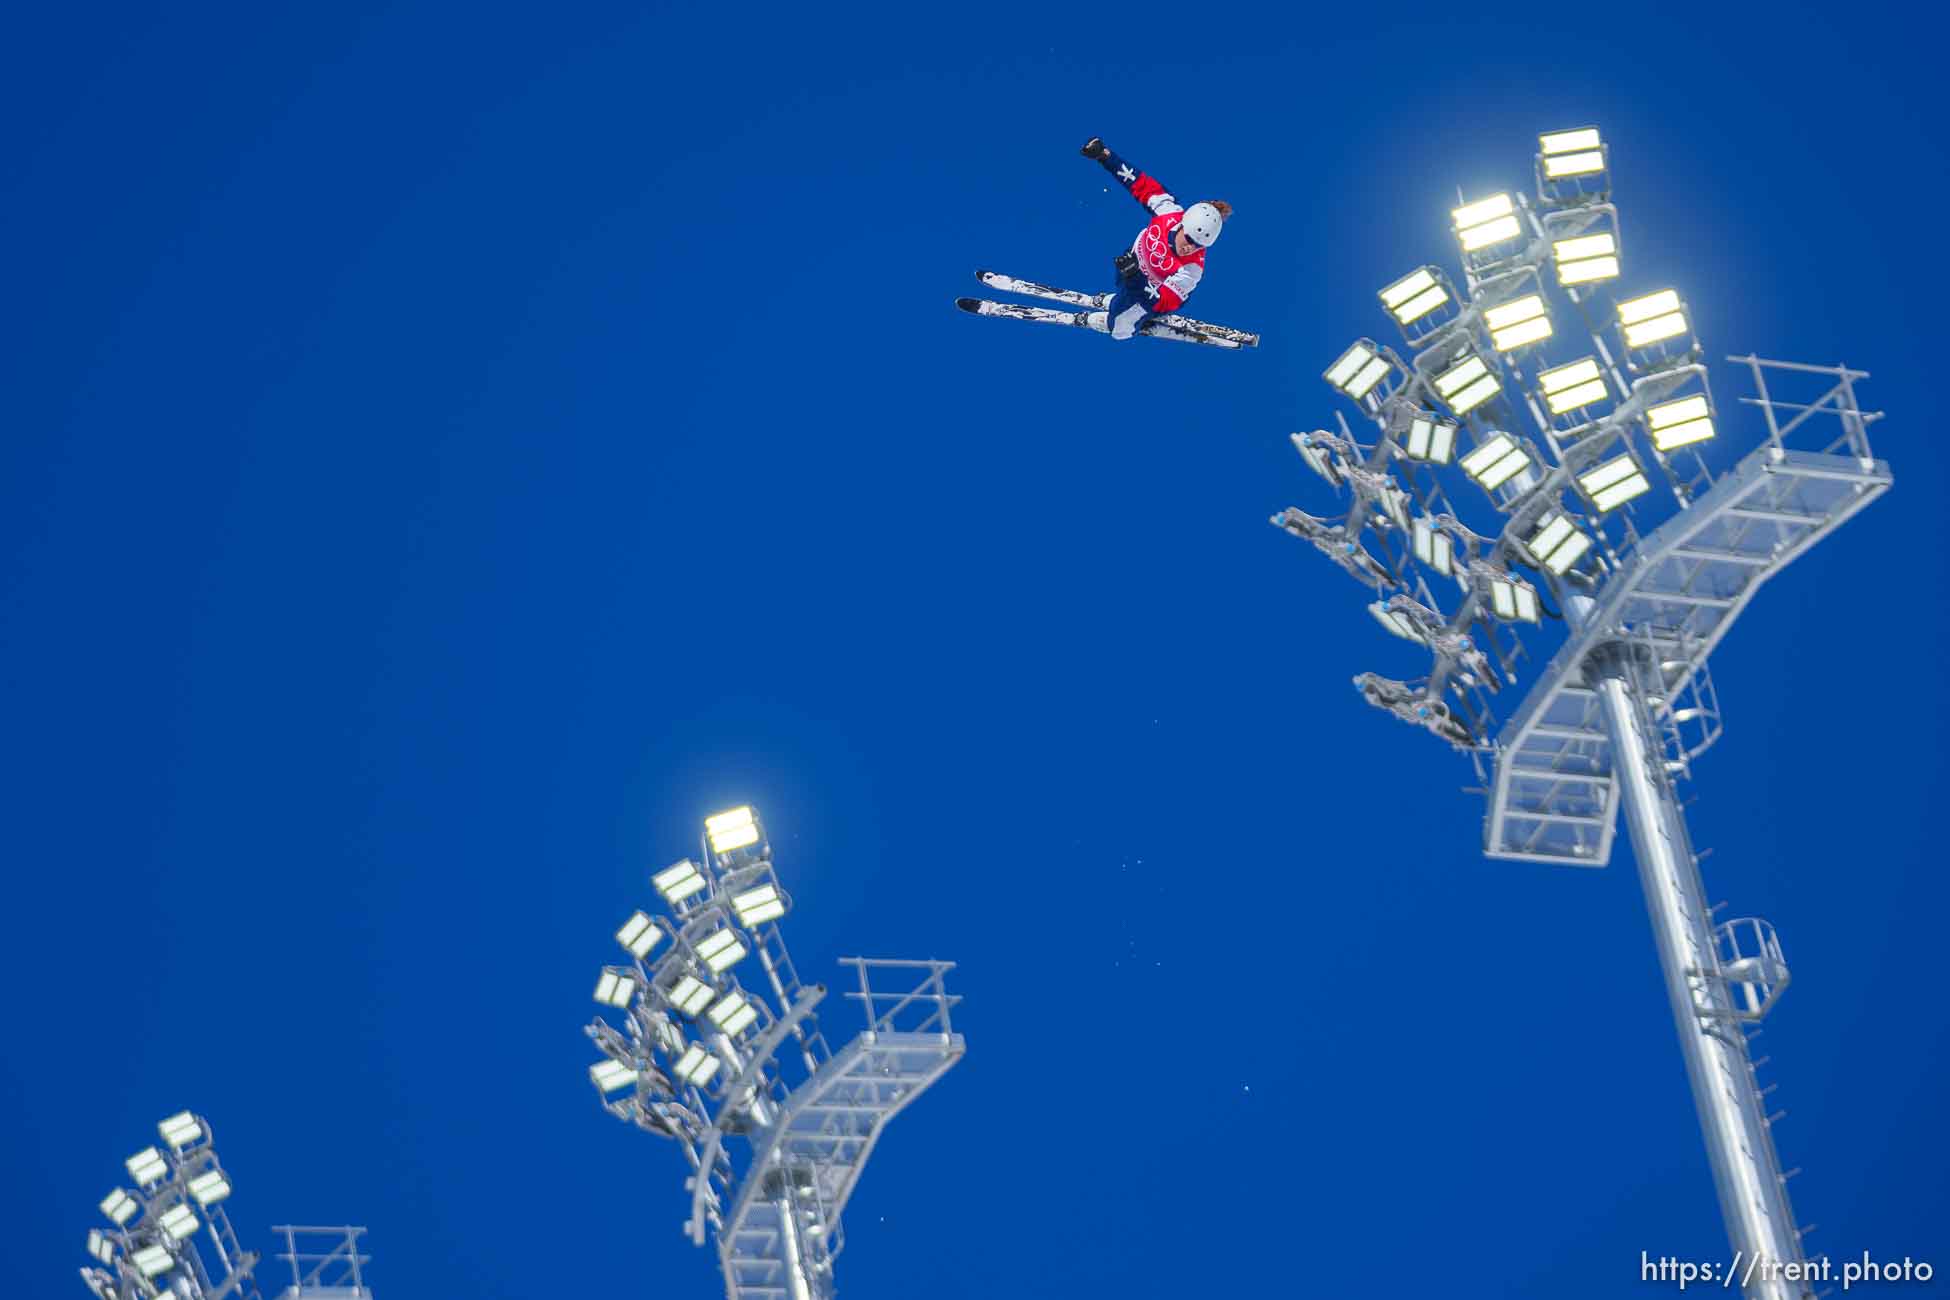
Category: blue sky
<point>450,450</point>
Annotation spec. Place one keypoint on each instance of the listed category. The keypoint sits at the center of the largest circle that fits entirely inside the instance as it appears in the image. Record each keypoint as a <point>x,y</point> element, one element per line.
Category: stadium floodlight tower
<point>776,1139</point>
<point>171,1236</point>
<point>151,1249</point>
<point>1620,711</point>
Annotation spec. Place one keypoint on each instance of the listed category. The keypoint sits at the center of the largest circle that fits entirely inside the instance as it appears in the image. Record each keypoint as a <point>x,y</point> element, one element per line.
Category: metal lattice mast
<point>171,1235</point>
<point>1618,713</point>
<point>775,1126</point>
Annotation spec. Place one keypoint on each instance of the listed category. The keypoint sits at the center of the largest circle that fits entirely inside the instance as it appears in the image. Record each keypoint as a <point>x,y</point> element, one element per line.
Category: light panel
<point>1496,461</point>
<point>1414,296</point>
<point>1429,440</point>
<point>1557,142</point>
<point>1613,483</point>
<point>757,906</point>
<point>146,1166</point>
<point>1677,424</point>
<point>209,1188</point>
<point>1650,319</point>
<point>678,881</point>
<point>696,1066</point>
<point>670,1036</point>
<point>690,994</point>
<point>119,1207</point>
<point>101,1246</point>
<point>731,830</point>
<point>1571,153</point>
<point>611,1075</point>
<point>733,1014</point>
<point>1359,369</point>
<point>1434,547</point>
<point>615,990</point>
<point>639,935</point>
<point>720,950</point>
<point>1513,600</point>
<point>1585,258</point>
<point>151,1260</point>
<point>1316,458</point>
<point>180,1129</point>
<point>1467,384</point>
<point>1558,544</point>
<point>1517,323</point>
<point>1566,388</point>
<point>1486,222</point>
<point>1394,622</point>
<point>179,1222</point>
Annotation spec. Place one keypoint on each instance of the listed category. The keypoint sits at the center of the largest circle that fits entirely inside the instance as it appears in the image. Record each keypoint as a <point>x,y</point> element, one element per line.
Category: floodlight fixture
<point>1467,384</point>
<point>152,1260</point>
<point>119,1207</point>
<point>1498,460</point>
<point>209,1188</point>
<point>1434,547</point>
<point>101,1245</point>
<point>670,1036</point>
<point>1486,222</point>
<point>1678,424</point>
<point>615,989</point>
<point>695,1066</point>
<point>1557,543</point>
<point>689,994</point>
<point>1652,318</point>
<point>755,907</point>
<point>720,950</point>
<point>180,1130</point>
<point>1430,440</point>
<point>1571,153</point>
<point>736,829</point>
<point>147,1166</point>
<point>178,1222</point>
<point>1517,323</point>
<point>1360,368</point>
<point>733,1014</point>
<point>1569,388</point>
<point>1585,259</point>
<point>1394,622</point>
<point>1513,600</point>
<point>639,935</point>
<point>1414,296</point>
<point>611,1075</point>
<point>1614,483</point>
<point>679,881</point>
<point>1317,458</point>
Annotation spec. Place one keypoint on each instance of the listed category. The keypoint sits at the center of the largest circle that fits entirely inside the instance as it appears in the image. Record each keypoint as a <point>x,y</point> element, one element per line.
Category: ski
<point>1157,327</point>
<point>1099,301</point>
<point>1009,284</point>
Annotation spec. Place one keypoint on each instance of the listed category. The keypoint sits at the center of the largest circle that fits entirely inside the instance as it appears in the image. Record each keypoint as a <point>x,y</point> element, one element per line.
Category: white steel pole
<point>1747,1173</point>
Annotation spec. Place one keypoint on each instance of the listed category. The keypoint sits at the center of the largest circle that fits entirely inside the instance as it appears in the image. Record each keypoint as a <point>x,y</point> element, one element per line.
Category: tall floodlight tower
<point>1563,404</point>
<point>776,1127</point>
<point>170,1236</point>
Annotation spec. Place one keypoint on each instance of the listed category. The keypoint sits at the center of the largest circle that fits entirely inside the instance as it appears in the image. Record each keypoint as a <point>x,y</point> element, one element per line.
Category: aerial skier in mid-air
<point>1154,276</point>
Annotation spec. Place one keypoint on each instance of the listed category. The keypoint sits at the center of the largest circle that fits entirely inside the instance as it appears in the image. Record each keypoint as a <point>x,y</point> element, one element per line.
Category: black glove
<point>1095,149</point>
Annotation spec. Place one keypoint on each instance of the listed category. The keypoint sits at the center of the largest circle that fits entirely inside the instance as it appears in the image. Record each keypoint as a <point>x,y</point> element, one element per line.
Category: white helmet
<point>1202,222</point>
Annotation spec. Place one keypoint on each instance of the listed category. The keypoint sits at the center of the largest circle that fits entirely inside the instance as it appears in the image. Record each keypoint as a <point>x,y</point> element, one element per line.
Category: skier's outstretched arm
<point>1144,188</point>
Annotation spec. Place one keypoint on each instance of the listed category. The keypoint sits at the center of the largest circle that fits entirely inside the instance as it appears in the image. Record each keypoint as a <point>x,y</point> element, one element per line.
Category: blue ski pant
<point>1130,304</point>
